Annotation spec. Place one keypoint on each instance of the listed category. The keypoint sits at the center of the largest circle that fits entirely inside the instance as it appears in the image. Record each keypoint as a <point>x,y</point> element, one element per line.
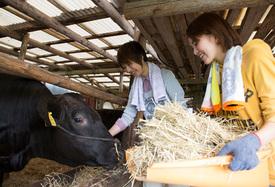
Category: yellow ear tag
<point>52,121</point>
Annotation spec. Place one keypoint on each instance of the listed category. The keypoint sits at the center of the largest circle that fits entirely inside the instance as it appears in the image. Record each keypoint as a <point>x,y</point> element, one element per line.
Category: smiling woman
<point>248,76</point>
<point>151,86</point>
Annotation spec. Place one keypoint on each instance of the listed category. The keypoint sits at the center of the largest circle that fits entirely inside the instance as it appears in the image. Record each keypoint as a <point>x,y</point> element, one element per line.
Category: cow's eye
<point>78,119</point>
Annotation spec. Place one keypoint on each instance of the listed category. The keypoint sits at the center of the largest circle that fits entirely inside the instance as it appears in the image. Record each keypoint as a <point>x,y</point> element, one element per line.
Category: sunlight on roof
<point>76,5</point>
<point>38,51</point>
<point>7,18</point>
<point>64,47</point>
<point>82,55</point>
<point>78,30</point>
<point>103,26</point>
<point>98,43</point>
<point>42,36</point>
<point>10,42</point>
<point>46,7</point>
<point>119,40</point>
<point>57,58</point>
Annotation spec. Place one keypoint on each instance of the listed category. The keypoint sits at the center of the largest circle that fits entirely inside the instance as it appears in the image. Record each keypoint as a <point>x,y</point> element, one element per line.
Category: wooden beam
<point>250,22</point>
<point>182,26</point>
<point>17,36</point>
<point>119,4</point>
<point>120,20</point>
<point>24,45</point>
<point>165,29</point>
<point>89,71</point>
<point>17,66</point>
<point>116,16</point>
<point>233,15</point>
<point>151,41</point>
<point>39,61</point>
<point>95,36</point>
<point>267,25</point>
<point>156,8</point>
<point>69,18</point>
<point>53,23</point>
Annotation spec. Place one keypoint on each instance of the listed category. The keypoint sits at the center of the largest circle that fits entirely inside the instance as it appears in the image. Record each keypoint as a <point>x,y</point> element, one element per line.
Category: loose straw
<point>175,134</point>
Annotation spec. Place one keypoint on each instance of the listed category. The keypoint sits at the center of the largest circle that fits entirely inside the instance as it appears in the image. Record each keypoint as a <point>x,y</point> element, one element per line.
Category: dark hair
<point>131,51</point>
<point>210,23</point>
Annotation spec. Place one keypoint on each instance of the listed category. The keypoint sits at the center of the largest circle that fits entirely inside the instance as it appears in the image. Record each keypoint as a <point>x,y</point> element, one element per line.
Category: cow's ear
<point>49,110</point>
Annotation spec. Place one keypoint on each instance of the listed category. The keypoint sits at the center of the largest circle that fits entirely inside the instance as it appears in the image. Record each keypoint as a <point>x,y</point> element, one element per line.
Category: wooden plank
<point>233,15</point>
<point>267,25</point>
<point>53,23</point>
<point>156,8</point>
<point>72,17</point>
<point>39,61</point>
<point>17,66</point>
<point>151,41</point>
<point>116,16</point>
<point>94,36</point>
<point>250,21</point>
<point>182,26</point>
<point>17,36</point>
<point>90,71</point>
<point>164,27</point>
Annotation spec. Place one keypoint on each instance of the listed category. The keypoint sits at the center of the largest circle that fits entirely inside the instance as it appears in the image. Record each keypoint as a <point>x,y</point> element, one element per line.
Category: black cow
<point>28,112</point>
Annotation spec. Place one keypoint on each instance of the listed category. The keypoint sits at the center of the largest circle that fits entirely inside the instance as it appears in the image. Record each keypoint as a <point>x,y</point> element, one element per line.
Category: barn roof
<point>79,39</point>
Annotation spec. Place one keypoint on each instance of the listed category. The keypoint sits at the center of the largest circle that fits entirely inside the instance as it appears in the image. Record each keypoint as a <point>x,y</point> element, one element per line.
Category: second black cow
<point>34,123</point>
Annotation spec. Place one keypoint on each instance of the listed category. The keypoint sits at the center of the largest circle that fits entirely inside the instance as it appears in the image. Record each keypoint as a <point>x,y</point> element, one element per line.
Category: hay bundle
<point>174,134</point>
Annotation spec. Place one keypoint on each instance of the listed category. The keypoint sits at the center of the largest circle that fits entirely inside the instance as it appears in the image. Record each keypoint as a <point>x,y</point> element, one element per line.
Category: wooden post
<point>121,82</point>
<point>24,45</point>
<point>13,65</point>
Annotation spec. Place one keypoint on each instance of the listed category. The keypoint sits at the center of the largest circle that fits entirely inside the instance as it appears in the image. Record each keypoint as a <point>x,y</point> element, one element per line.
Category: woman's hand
<point>244,152</point>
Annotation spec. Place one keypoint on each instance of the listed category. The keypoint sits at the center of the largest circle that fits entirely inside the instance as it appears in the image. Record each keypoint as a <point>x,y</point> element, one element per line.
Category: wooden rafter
<point>20,67</point>
<point>39,61</point>
<point>267,25</point>
<point>164,26</point>
<point>17,36</point>
<point>53,23</point>
<point>72,17</point>
<point>251,20</point>
<point>157,8</point>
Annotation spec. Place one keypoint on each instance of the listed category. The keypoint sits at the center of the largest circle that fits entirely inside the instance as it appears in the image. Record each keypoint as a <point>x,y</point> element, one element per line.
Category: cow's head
<point>79,137</point>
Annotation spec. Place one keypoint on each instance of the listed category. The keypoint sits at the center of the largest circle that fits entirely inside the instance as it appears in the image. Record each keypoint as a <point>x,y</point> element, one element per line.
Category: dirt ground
<point>35,170</point>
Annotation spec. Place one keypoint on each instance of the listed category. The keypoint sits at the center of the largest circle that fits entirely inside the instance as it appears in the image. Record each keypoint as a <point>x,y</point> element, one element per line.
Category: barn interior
<point>73,44</point>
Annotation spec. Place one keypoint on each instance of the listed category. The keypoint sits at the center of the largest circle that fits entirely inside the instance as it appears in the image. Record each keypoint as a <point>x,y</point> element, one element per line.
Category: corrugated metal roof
<point>46,7</point>
<point>94,61</point>
<point>76,5</point>
<point>119,40</point>
<point>78,30</point>
<point>10,42</point>
<point>7,18</point>
<point>42,36</point>
<point>102,79</point>
<point>98,42</point>
<point>102,26</point>
<point>39,51</point>
<point>82,79</point>
<point>57,58</point>
<point>112,52</point>
<point>64,47</point>
<point>82,55</point>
